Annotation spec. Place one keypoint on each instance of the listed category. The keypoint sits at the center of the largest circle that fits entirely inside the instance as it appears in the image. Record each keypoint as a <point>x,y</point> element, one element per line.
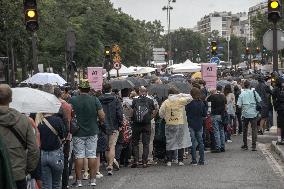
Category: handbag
<point>258,104</point>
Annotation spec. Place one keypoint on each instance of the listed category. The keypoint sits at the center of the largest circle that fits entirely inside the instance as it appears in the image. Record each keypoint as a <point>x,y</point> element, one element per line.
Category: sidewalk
<point>278,149</point>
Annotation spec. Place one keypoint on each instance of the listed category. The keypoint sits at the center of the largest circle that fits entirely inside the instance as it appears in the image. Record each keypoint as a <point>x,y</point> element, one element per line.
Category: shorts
<point>264,112</point>
<point>85,147</point>
<point>112,139</point>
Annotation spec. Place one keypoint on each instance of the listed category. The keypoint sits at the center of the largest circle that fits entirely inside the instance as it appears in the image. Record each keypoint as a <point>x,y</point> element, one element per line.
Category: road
<point>233,169</point>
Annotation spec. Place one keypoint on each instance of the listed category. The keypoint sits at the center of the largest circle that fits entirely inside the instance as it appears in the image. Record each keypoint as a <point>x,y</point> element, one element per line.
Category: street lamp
<point>168,8</point>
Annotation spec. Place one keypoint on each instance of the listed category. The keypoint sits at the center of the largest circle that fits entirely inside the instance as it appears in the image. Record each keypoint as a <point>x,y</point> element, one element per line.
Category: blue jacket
<point>195,112</point>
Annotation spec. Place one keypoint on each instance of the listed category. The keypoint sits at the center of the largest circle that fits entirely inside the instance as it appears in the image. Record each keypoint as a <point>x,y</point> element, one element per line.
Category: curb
<point>278,150</point>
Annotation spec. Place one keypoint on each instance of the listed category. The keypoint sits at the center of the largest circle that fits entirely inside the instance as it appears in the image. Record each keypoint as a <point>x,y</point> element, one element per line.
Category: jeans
<point>137,130</point>
<point>171,155</point>
<point>52,164</point>
<point>196,139</point>
<point>218,130</point>
<point>240,122</point>
<point>253,123</point>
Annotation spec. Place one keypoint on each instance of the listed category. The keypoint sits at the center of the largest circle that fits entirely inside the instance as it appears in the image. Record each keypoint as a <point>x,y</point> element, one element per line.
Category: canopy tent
<point>145,70</point>
<point>187,68</point>
<point>175,66</point>
<point>123,71</point>
<point>45,78</point>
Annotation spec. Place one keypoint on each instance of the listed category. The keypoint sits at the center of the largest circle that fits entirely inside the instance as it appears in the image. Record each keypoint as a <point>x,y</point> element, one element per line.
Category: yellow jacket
<point>172,110</point>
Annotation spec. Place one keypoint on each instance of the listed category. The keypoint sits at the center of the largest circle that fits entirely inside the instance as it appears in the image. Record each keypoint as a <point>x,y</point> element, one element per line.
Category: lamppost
<point>168,8</point>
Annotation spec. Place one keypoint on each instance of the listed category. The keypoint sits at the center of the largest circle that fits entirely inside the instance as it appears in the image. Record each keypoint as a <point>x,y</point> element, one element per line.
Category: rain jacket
<point>23,160</point>
<point>113,112</point>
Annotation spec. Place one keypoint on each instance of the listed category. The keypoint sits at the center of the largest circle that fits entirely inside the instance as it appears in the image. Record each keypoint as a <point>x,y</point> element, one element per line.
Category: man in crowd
<point>218,104</point>
<point>264,92</point>
<point>278,103</point>
<point>247,102</point>
<point>113,123</point>
<point>88,110</point>
<point>143,112</point>
<point>19,138</point>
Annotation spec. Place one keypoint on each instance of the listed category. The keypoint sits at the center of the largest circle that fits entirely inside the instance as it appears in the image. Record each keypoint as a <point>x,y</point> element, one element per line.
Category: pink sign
<point>95,77</point>
<point>209,70</point>
<point>211,82</point>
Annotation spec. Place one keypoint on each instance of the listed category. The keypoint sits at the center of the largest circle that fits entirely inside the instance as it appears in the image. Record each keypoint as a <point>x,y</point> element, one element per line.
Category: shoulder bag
<point>52,129</point>
<point>258,104</point>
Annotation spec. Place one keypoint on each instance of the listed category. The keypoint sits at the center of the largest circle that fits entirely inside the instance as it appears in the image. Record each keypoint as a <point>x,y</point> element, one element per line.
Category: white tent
<point>145,70</point>
<point>188,68</point>
<point>123,71</point>
<point>175,66</point>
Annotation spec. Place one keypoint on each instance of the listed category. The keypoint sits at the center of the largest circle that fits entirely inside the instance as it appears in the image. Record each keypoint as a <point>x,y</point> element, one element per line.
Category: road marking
<point>271,160</point>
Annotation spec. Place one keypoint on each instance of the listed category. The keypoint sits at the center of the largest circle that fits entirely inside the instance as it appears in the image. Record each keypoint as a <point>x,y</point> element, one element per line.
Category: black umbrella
<point>121,84</point>
<point>161,90</point>
<point>138,82</point>
<point>182,87</point>
<point>223,83</point>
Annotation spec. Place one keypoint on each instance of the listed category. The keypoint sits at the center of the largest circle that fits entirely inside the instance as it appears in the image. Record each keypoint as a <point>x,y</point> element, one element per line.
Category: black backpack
<point>142,111</point>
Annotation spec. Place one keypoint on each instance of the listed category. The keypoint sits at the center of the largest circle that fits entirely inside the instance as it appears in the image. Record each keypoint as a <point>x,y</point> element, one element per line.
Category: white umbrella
<point>28,100</point>
<point>45,78</point>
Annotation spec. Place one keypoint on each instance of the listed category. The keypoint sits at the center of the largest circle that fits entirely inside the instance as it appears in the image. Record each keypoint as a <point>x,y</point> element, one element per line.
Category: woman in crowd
<point>176,130</point>
<point>196,112</point>
<point>51,130</point>
<point>231,110</point>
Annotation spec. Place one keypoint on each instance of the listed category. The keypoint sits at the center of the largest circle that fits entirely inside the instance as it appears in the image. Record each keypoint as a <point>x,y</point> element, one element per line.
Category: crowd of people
<point>130,128</point>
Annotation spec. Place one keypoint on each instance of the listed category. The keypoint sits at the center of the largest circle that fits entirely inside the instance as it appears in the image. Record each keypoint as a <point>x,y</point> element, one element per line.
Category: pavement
<point>236,169</point>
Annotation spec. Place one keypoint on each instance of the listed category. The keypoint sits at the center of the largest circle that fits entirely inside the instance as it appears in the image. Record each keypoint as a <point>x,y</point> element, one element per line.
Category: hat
<point>84,84</point>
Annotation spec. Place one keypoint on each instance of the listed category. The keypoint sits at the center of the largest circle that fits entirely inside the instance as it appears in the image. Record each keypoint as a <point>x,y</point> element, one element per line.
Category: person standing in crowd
<point>264,92</point>
<point>237,92</point>
<point>176,129</point>
<point>88,110</point>
<point>218,107</point>
<point>51,129</point>
<point>278,103</point>
<point>18,137</point>
<point>112,123</point>
<point>247,101</point>
<point>143,112</point>
<point>67,110</point>
<point>196,113</point>
<point>231,110</point>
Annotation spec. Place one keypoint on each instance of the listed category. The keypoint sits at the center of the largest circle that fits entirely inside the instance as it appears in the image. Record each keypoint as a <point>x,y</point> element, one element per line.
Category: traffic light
<point>108,62</point>
<point>31,15</point>
<point>247,51</point>
<point>257,50</point>
<point>214,48</point>
<point>274,10</point>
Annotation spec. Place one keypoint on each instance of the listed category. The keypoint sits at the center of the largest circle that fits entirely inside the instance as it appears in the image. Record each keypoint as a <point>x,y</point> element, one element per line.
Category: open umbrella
<point>138,81</point>
<point>161,90</point>
<point>223,83</point>
<point>119,84</point>
<point>46,78</point>
<point>182,87</point>
<point>196,75</point>
<point>28,100</point>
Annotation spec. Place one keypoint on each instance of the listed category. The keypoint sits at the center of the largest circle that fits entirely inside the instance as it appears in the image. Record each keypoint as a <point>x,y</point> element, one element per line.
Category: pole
<point>117,73</point>
<point>275,52</point>
<point>34,47</point>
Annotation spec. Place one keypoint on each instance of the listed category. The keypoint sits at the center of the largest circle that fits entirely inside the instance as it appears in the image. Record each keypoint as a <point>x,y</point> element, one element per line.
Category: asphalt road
<point>233,169</point>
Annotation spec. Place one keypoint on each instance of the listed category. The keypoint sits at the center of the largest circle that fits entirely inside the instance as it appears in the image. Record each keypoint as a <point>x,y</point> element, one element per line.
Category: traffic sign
<point>215,60</point>
<point>268,40</point>
<point>117,65</point>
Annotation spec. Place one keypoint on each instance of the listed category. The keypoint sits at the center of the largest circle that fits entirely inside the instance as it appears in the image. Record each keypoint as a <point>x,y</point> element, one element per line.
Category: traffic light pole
<point>275,51</point>
<point>34,48</point>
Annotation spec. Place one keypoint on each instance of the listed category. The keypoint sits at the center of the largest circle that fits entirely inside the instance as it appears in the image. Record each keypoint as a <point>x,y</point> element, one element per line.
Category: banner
<point>95,77</point>
<point>209,75</point>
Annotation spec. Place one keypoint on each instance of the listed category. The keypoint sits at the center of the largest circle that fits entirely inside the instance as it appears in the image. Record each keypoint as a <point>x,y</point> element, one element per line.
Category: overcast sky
<point>186,13</point>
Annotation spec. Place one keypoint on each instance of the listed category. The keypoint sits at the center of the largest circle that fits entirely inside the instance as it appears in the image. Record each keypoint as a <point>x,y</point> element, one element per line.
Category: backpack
<point>141,111</point>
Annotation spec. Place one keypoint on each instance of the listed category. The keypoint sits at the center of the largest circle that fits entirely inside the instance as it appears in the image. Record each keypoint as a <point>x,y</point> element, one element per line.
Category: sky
<point>185,14</point>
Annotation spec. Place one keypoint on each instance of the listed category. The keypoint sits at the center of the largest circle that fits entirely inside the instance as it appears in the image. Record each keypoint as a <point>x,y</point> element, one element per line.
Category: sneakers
<point>244,147</point>
<point>134,165</point>
<point>99,175</point>
<point>109,171</point>
<point>229,141</point>
<point>78,183</point>
<point>115,165</point>
<point>86,176</point>
<point>93,182</point>
<point>180,163</point>
<point>193,163</point>
<point>222,150</point>
<point>169,164</point>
